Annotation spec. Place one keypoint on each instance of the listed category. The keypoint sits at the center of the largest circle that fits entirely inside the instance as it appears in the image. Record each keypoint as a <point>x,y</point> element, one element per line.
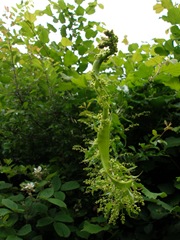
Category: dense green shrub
<point>48,104</point>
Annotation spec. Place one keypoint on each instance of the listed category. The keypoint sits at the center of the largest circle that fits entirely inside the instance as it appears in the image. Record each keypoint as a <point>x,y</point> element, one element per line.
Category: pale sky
<point>134,18</point>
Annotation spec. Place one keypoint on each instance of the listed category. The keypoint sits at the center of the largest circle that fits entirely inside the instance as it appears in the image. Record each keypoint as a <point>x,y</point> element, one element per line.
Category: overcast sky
<point>134,18</point>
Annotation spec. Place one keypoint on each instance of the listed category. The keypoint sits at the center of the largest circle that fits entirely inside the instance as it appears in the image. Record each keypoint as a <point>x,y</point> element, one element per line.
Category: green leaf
<point>4,211</point>
<point>79,11</point>
<point>173,16</point>
<point>46,193</point>
<point>63,217</point>
<point>90,33</point>
<point>10,204</point>
<point>172,142</point>
<point>70,58</point>
<point>51,27</point>
<point>56,183</point>
<point>31,17</point>
<point>157,212</point>
<point>167,4</point>
<point>80,81</point>
<point>13,237</point>
<point>66,42</point>
<point>132,47</point>
<point>62,18</point>
<point>44,221</point>
<point>71,185</point>
<point>101,5</point>
<point>4,185</point>
<point>173,69</point>
<point>48,11</point>
<point>62,4</point>
<point>60,195</point>
<point>79,1</point>
<point>25,230</point>
<point>150,195</point>
<point>158,8</point>
<point>61,229</point>
<point>93,228</point>
<point>43,34</point>
<point>90,10</point>
<point>57,202</point>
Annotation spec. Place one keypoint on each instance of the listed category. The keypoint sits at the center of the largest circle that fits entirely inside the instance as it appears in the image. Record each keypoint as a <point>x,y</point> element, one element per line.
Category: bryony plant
<point>118,188</point>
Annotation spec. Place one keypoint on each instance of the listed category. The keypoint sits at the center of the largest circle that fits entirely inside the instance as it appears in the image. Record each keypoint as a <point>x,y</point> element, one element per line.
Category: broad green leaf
<point>132,47</point>
<point>82,50</point>
<point>158,8</point>
<point>66,42</point>
<point>60,195</point>
<point>46,193</point>
<point>51,27</point>
<point>31,17</point>
<point>63,217</point>
<point>10,204</point>
<point>4,211</point>
<point>157,212</point>
<point>4,185</point>
<point>62,18</point>
<point>161,51</point>
<point>173,69</point>
<point>44,35</point>
<point>90,33</point>
<point>63,31</point>
<point>13,237</point>
<point>79,1</point>
<point>173,16</point>
<point>173,84</point>
<point>62,4</point>
<point>150,195</point>
<point>70,58</point>
<point>79,11</point>
<point>172,142</point>
<point>44,221</point>
<point>26,30</point>
<point>80,82</point>
<point>71,185</point>
<point>90,10</point>
<point>62,230</point>
<point>167,4</point>
<point>93,228</point>
<point>57,202</point>
<point>154,61</point>
<point>137,57</point>
<point>37,63</point>
<point>25,230</point>
<point>56,183</point>
<point>48,11</point>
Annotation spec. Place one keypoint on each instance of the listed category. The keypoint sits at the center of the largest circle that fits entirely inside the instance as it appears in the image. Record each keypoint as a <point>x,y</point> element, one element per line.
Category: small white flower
<point>37,170</point>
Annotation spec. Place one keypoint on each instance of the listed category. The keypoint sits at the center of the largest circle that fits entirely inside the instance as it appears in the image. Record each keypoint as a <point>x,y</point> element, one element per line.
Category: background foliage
<point>45,98</point>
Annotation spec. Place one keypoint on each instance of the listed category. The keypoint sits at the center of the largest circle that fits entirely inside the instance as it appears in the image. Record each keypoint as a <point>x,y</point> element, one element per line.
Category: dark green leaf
<point>10,204</point>
<point>71,185</point>
<point>57,202</point>
<point>46,193</point>
<point>4,185</point>
<point>62,230</point>
<point>63,217</point>
<point>93,228</point>
<point>44,221</point>
<point>25,230</point>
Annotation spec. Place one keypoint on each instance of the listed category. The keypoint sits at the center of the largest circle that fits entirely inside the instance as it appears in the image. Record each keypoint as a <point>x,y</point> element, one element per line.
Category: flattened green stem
<point>103,135</point>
